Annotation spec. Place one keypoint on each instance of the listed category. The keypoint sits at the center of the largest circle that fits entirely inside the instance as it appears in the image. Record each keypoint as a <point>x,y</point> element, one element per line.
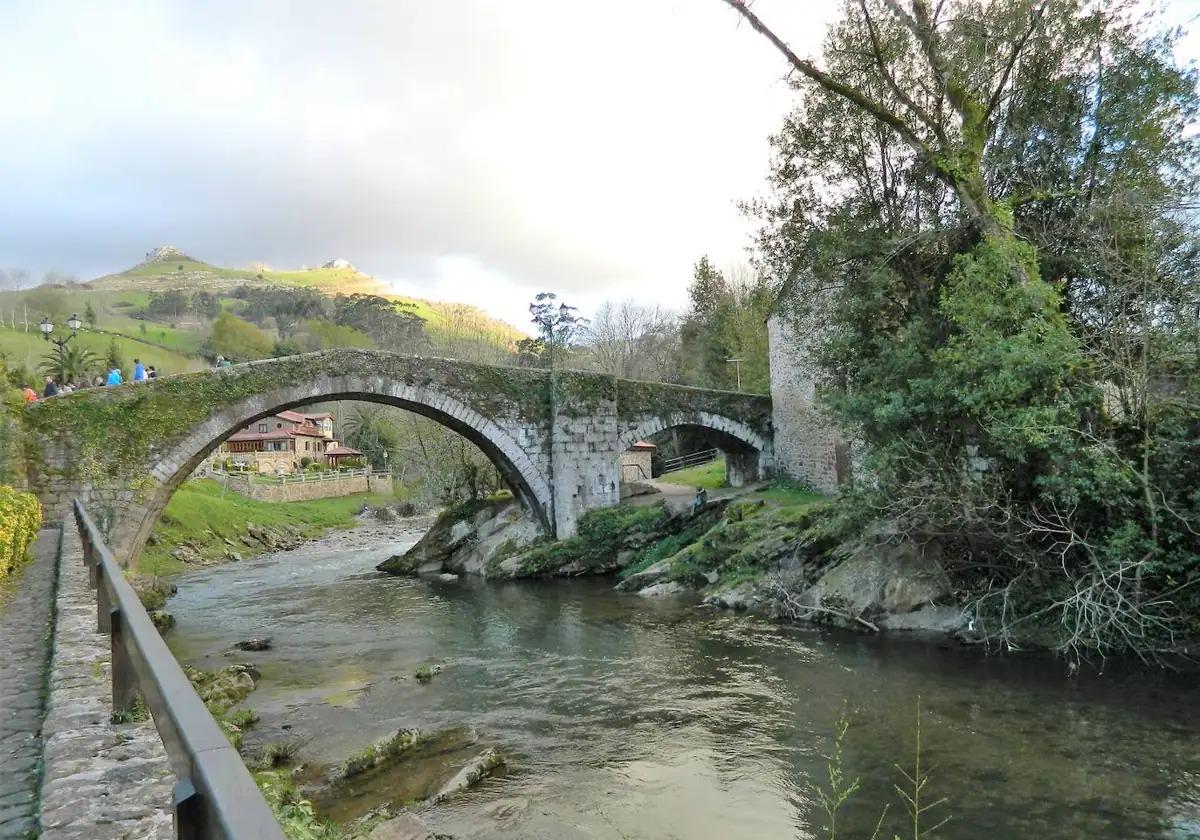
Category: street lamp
<point>47,327</point>
<point>737,364</point>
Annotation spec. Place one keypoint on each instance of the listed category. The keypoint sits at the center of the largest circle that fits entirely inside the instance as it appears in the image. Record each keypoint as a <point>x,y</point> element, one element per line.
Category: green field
<point>28,349</point>
<point>452,329</point>
<point>710,476</point>
<point>204,513</point>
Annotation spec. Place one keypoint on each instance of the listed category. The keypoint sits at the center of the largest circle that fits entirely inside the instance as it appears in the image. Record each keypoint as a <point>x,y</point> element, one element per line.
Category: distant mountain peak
<point>339,263</point>
<point>166,254</point>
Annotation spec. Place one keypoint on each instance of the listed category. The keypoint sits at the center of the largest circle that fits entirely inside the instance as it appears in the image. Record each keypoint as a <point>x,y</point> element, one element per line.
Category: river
<point>623,717</point>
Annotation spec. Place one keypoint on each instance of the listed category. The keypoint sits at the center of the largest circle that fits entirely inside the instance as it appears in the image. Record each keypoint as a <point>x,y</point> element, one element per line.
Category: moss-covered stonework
<point>123,450</point>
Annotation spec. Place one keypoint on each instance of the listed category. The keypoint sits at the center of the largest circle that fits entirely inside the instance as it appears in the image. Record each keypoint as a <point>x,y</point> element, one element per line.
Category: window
<point>278,425</point>
<point>262,427</point>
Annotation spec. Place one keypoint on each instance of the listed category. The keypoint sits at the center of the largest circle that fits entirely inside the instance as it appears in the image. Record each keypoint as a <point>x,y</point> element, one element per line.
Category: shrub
<point>20,518</point>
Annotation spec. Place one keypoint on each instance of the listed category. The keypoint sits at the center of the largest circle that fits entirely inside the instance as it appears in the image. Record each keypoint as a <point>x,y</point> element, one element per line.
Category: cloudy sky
<point>470,150</point>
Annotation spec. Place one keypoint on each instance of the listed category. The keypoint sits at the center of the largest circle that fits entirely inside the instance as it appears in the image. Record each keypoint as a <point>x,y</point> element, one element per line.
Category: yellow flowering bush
<point>20,518</point>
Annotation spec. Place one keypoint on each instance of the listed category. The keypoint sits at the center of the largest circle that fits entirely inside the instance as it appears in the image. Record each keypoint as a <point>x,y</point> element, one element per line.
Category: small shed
<point>635,462</point>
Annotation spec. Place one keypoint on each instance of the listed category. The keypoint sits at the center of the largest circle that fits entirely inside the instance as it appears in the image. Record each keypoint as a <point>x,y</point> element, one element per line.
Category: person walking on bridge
<point>139,371</point>
<point>114,377</point>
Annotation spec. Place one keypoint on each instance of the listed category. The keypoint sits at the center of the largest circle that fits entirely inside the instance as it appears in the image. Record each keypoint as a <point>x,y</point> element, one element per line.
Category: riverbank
<point>769,550</point>
<point>205,524</point>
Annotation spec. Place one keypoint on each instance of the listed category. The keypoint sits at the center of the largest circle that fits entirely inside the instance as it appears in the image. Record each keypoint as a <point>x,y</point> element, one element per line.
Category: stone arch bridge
<point>556,439</point>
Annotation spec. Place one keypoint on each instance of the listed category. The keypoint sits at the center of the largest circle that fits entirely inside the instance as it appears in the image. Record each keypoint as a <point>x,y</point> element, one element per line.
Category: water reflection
<point>628,718</point>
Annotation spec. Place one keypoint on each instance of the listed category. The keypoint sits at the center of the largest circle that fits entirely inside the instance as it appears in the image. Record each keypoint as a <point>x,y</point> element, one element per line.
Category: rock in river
<point>257,643</point>
<point>478,769</point>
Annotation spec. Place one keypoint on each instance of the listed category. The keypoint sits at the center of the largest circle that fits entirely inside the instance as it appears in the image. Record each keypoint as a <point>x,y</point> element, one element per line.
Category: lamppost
<point>47,327</point>
<point>737,364</point>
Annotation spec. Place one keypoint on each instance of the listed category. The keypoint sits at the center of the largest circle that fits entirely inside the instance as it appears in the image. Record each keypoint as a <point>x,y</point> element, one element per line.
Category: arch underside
<point>748,456</point>
<point>727,434</point>
<point>516,465</point>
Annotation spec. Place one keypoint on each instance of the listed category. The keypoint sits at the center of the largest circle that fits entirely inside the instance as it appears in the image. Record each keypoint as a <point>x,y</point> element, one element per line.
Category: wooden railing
<point>694,459</point>
<point>214,797</point>
<point>301,476</point>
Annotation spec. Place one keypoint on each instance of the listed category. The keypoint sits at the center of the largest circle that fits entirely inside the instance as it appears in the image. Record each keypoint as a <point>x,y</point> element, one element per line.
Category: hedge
<point>20,518</point>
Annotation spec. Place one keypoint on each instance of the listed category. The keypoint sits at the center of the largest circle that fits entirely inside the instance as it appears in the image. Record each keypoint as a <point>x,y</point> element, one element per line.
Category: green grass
<point>450,327</point>
<point>29,349</point>
<point>710,476</point>
<point>785,494</point>
<point>205,513</point>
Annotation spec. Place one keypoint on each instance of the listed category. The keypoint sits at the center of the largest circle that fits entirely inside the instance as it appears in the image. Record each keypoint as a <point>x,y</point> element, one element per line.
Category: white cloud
<point>478,150</point>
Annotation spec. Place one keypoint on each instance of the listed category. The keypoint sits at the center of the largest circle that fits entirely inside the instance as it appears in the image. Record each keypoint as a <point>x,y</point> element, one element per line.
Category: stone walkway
<point>99,780</point>
<point>25,626</point>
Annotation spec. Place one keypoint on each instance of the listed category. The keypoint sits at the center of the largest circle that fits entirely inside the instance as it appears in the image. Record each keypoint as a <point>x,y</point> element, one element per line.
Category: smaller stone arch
<point>748,453</point>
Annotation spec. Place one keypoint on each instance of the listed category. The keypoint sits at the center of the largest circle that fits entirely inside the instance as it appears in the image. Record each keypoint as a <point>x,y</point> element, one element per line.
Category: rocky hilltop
<point>166,254</point>
<point>167,267</point>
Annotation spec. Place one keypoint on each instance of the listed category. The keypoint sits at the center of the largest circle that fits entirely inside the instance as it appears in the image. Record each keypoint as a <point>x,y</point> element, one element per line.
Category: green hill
<point>121,303</point>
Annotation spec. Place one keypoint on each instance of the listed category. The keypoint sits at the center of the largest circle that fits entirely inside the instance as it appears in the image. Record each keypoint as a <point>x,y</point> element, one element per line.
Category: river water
<point>623,717</point>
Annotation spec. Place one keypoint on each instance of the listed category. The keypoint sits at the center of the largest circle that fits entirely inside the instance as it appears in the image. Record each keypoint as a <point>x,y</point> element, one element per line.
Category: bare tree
<point>633,341</point>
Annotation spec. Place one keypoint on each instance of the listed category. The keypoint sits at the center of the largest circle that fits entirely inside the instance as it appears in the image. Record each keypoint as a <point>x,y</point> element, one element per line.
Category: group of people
<point>141,373</point>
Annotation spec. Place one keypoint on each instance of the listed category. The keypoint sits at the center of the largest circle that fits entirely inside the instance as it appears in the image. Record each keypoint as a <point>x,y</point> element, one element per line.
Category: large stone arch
<point>748,453</point>
<point>515,462</point>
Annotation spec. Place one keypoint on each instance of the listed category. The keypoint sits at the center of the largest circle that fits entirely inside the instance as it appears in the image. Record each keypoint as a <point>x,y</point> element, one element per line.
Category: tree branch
<point>810,70</point>
<point>1018,48</point>
<point>907,100</point>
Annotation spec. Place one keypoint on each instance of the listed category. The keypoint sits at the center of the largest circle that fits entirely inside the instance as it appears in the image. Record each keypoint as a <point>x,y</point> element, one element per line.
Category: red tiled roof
<point>643,444</point>
<point>294,416</point>
<point>342,450</point>
<point>276,434</point>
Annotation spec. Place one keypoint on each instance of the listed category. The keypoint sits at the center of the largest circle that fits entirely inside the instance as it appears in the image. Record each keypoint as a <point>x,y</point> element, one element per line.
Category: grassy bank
<point>710,476</point>
<point>203,514</point>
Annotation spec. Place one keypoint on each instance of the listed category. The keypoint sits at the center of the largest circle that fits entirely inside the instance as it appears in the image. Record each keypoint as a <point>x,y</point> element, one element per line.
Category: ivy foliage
<point>20,518</point>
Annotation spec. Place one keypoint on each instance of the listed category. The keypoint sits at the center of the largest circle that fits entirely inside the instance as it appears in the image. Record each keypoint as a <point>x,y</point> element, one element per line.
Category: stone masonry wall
<point>806,442</point>
<point>306,491</point>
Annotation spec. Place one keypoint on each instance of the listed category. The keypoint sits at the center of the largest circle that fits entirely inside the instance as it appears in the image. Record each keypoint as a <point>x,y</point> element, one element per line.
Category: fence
<point>215,797</point>
<point>694,459</point>
<point>301,477</point>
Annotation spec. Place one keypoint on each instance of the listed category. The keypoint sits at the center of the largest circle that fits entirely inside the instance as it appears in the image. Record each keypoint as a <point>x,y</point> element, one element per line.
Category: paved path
<point>24,658</point>
<point>101,781</point>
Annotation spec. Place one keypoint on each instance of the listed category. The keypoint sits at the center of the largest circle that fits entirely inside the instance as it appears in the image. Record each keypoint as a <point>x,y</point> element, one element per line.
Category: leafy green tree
<point>726,320</point>
<point>322,335</point>
<point>234,338</point>
<point>89,315</point>
<point>76,364</point>
<point>168,305</point>
<point>113,357</point>
<point>49,302</point>
<point>367,428</point>
<point>390,324</point>
<point>995,284</point>
<point>206,304</point>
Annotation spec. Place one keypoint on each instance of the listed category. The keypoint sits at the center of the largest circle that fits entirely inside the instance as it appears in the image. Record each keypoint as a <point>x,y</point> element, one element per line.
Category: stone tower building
<point>808,448</point>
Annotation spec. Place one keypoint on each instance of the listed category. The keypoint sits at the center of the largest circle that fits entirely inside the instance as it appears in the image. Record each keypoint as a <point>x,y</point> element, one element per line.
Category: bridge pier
<point>742,468</point>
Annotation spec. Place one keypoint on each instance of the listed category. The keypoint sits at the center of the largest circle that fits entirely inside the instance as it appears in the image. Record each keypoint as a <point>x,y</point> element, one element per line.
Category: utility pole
<point>737,365</point>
